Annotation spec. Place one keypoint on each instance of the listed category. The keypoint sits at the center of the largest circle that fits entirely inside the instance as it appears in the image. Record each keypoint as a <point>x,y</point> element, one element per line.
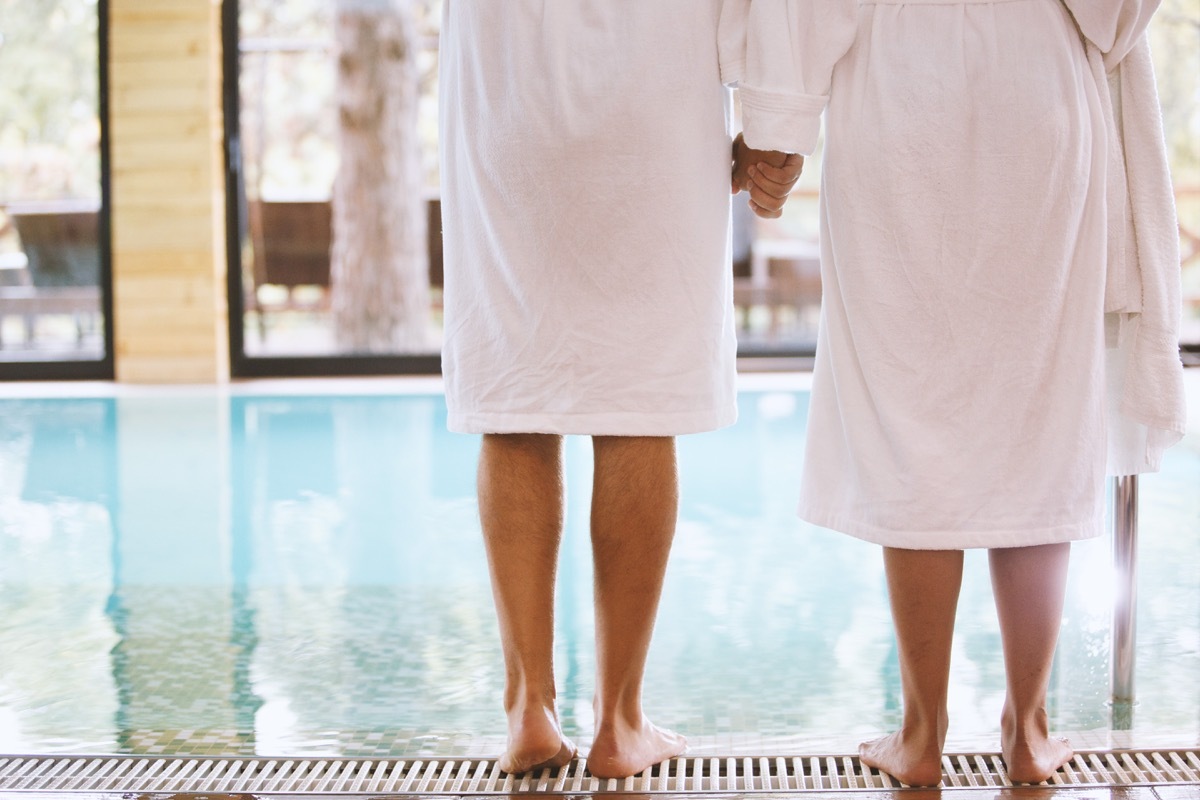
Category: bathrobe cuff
<point>781,121</point>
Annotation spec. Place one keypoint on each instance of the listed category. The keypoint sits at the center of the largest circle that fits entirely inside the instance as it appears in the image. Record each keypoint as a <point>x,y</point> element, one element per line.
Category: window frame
<point>104,368</point>
<point>787,357</point>
<point>241,364</point>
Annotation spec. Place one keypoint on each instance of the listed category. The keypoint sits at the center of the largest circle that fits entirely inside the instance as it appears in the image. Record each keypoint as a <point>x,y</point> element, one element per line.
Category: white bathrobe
<point>585,196</point>
<point>959,391</point>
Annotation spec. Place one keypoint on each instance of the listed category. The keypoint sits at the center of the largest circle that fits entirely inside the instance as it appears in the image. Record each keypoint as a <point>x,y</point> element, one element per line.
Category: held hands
<point>767,174</point>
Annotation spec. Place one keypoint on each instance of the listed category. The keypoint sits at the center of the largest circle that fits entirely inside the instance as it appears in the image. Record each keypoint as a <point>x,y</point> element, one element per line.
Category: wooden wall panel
<point>170,312</point>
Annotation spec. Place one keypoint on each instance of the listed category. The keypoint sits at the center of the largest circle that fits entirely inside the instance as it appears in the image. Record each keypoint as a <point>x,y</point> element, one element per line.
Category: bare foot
<point>1030,753</point>
<point>629,751</point>
<point>912,760</point>
<point>535,742</point>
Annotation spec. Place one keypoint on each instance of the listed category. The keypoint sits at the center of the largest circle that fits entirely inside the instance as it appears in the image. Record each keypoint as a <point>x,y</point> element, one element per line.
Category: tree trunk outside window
<point>380,293</point>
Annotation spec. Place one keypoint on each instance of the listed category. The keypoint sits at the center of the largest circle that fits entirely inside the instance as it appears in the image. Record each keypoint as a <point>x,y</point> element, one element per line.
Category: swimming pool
<point>200,572</point>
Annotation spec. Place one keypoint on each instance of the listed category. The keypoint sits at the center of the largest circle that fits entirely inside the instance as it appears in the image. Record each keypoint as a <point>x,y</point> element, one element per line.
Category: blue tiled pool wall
<point>280,574</point>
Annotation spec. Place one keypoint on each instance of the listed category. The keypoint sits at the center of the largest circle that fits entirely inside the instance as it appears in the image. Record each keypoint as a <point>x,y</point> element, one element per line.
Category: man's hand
<point>768,175</point>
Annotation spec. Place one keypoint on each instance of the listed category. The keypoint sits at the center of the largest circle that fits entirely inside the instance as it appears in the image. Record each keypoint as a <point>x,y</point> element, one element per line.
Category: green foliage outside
<point>49,100</point>
<point>1175,42</point>
<point>1175,39</point>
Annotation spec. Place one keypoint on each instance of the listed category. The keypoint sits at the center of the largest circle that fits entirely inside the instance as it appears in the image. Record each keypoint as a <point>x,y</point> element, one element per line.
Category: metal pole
<point>1125,530</point>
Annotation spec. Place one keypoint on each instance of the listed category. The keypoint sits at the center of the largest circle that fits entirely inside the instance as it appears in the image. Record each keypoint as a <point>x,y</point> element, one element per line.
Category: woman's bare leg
<point>1029,584</point>
<point>923,587</point>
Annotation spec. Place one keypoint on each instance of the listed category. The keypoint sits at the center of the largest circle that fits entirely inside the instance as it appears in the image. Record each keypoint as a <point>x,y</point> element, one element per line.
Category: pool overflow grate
<point>482,776</point>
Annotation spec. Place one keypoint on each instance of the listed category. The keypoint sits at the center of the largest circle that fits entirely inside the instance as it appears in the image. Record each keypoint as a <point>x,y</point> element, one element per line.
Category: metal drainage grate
<point>453,776</point>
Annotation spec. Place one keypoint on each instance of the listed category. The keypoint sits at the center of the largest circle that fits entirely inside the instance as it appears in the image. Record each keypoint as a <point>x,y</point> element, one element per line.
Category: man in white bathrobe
<point>586,169</point>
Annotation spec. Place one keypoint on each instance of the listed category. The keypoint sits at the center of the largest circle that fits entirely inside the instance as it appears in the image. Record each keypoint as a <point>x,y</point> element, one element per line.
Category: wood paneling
<point>170,311</point>
<point>175,368</point>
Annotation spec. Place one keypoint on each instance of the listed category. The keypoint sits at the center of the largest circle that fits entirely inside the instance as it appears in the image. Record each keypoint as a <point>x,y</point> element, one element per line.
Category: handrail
<point>1124,622</point>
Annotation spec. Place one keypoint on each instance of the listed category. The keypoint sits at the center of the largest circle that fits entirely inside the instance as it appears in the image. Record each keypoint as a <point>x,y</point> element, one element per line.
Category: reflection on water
<point>304,574</point>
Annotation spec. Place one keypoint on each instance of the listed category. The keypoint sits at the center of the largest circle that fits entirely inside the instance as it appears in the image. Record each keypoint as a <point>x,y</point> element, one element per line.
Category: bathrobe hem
<point>615,423</point>
<point>953,539</point>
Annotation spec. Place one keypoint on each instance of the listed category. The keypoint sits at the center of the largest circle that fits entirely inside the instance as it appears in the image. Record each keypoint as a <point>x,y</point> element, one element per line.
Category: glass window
<point>339,226</point>
<point>777,272</point>
<point>1175,43</point>
<point>319,248</point>
<point>53,250</point>
<point>328,271</point>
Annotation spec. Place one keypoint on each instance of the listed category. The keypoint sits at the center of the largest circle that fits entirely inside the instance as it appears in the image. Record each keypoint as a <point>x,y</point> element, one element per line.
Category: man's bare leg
<point>923,588</point>
<point>1029,584</point>
<point>520,484</point>
<point>635,503</point>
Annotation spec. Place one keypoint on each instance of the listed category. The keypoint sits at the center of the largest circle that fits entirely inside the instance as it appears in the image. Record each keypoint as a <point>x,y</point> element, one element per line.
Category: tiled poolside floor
<point>1020,793</point>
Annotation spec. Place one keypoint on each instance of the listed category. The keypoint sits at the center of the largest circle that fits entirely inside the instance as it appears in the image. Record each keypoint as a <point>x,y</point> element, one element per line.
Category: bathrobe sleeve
<point>1147,405</point>
<point>1114,26</point>
<point>781,55</point>
<point>731,40</point>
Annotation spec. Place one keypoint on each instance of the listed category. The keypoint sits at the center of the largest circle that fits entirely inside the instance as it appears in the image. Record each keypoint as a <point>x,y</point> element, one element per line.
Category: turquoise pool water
<point>194,572</point>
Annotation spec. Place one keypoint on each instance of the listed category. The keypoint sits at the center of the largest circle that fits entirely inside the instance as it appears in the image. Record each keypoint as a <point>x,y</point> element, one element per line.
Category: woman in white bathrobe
<point>959,390</point>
